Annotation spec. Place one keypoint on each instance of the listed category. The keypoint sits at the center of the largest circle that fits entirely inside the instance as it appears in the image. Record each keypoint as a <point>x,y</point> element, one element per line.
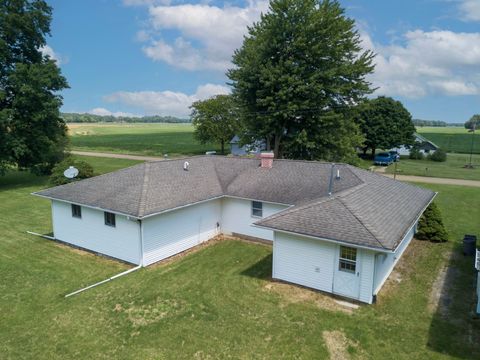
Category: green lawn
<point>452,168</point>
<point>143,139</point>
<point>215,303</point>
<point>452,139</point>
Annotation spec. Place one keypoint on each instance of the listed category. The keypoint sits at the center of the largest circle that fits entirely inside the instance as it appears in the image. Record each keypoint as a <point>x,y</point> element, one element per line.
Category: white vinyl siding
<point>384,263</point>
<point>89,232</point>
<point>304,261</point>
<point>237,217</point>
<point>313,263</point>
<point>170,233</point>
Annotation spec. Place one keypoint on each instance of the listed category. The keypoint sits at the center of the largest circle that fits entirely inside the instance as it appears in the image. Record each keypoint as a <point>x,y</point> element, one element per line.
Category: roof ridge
<point>143,195</point>
<point>361,222</point>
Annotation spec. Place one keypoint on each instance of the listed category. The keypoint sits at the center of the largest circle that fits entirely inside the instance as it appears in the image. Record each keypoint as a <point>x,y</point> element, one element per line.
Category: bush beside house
<point>440,156</point>
<point>430,226</point>
<point>85,170</point>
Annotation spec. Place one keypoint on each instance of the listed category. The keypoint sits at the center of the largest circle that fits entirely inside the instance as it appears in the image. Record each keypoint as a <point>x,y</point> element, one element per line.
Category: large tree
<point>474,122</point>
<point>296,76</point>
<point>215,120</point>
<point>32,134</point>
<point>385,124</point>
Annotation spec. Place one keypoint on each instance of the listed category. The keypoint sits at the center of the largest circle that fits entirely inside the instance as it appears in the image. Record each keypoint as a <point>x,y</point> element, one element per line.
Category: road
<point>421,179</point>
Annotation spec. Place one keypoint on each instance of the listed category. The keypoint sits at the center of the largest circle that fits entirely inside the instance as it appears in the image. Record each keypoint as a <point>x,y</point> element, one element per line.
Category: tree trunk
<point>276,148</point>
<point>373,152</point>
<point>223,147</point>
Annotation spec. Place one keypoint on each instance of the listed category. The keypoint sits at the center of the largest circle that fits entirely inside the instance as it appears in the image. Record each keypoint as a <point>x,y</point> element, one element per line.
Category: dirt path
<point>117,156</point>
<point>436,180</point>
<point>424,179</point>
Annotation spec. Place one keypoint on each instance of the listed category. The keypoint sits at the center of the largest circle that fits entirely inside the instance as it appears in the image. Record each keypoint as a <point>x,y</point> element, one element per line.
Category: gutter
<point>327,240</point>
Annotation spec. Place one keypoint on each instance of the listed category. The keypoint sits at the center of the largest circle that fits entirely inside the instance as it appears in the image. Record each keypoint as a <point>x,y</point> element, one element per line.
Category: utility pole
<point>470,166</point>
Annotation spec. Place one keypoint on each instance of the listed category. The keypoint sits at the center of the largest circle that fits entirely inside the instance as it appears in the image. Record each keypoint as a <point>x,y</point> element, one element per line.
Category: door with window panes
<point>347,272</point>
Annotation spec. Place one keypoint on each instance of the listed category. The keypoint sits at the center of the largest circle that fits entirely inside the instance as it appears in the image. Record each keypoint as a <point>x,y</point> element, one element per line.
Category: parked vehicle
<point>395,155</point>
<point>383,159</point>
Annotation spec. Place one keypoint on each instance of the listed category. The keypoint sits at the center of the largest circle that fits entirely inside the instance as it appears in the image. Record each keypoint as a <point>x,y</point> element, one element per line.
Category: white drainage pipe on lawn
<point>41,235</point>
<point>93,285</point>
<point>104,281</point>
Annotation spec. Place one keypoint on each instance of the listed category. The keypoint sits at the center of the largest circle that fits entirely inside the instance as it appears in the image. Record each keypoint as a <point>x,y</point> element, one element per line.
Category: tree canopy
<point>474,121</point>
<point>215,120</point>
<point>385,123</point>
<point>32,134</point>
<point>296,76</point>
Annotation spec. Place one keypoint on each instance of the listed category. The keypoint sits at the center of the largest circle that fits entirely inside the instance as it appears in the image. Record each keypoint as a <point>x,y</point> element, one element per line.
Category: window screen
<point>348,259</point>
<point>76,211</point>
<point>109,219</point>
<point>257,209</point>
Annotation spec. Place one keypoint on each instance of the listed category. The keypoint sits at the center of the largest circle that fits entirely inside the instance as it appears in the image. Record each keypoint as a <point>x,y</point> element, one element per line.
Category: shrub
<point>430,226</point>
<point>440,155</point>
<point>85,170</point>
<point>415,154</point>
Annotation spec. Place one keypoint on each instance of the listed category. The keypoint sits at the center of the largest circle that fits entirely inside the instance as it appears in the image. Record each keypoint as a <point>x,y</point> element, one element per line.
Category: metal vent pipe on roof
<point>330,185</point>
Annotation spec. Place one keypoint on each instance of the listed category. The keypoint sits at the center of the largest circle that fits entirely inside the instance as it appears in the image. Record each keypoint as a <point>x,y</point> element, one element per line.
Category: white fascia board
<point>327,240</point>
<point>87,206</point>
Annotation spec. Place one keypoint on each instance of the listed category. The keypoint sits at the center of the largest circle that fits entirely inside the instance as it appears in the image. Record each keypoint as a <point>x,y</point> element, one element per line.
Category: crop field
<point>142,139</point>
<point>219,301</point>
<point>452,139</point>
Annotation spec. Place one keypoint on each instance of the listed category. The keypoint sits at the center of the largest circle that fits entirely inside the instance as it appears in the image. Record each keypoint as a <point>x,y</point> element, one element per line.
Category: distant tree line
<point>434,123</point>
<point>91,118</point>
<point>473,123</point>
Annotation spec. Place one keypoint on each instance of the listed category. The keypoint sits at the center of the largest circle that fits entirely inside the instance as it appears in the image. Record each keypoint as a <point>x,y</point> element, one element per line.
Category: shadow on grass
<point>455,329</point>
<point>20,179</point>
<point>261,269</point>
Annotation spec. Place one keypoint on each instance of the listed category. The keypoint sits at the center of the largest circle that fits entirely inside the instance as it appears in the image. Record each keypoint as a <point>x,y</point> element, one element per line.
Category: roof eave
<point>136,217</point>
<point>336,241</point>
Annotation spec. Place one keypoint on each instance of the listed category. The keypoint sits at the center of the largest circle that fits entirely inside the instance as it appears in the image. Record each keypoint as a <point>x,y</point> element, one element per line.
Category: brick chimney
<point>266,160</point>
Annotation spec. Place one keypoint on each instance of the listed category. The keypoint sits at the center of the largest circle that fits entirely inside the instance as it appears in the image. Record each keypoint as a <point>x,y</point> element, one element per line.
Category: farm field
<point>219,301</point>
<point>142,139</point>
<point>452,168</point>
<point>452,139</point>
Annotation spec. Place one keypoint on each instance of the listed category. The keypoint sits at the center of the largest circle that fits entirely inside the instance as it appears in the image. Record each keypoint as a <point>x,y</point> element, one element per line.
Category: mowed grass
<point>453,168</point>
<point>452,139</point>
<point>215,303</point>
<point>142,139</point>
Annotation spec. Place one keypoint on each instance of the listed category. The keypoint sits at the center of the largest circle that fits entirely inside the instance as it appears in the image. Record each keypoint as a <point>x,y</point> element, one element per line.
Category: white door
<point>347,272</point>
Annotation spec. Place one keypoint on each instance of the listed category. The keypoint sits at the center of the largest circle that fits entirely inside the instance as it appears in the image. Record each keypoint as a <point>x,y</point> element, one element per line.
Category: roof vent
<point>186,165</point>
<point>338,174</point>
<point>266,160</point>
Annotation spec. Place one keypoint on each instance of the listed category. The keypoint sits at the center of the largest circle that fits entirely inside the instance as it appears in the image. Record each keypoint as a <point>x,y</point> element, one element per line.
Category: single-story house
<point>424,145</point>
<point>248,149</point>
<point>334,227</point>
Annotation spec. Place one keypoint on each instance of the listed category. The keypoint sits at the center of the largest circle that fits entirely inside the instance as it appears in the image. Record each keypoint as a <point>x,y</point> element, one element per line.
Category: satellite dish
<point>71,172</point>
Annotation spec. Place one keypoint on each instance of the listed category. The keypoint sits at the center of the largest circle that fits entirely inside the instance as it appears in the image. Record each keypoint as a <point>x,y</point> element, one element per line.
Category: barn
<point>334,227</point>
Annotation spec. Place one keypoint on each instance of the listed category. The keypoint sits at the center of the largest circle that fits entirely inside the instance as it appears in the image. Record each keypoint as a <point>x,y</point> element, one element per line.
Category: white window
<point>257,209</point>
<point>347,259</point>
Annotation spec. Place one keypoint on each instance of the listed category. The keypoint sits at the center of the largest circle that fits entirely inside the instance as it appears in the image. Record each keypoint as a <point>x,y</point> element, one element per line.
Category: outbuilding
<point>334,227</point>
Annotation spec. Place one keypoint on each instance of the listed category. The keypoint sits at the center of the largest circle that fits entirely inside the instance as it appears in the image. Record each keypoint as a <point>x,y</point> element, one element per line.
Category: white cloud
<point>105,112</point>
<point>166,102</point>
<point>470,10</point>
<point>435,62</point>
<point>48,51</point>
<point>218,31</point>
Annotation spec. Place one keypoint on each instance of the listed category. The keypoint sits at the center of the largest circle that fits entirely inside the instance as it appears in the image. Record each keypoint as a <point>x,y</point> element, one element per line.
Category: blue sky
<point>158,56</point>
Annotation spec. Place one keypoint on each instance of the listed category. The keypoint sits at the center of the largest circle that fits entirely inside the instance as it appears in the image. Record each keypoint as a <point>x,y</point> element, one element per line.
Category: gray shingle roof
<point>365,208</point>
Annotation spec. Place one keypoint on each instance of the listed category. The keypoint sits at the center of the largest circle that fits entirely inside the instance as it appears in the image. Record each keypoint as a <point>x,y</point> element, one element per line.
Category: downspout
<point>141,243</point>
